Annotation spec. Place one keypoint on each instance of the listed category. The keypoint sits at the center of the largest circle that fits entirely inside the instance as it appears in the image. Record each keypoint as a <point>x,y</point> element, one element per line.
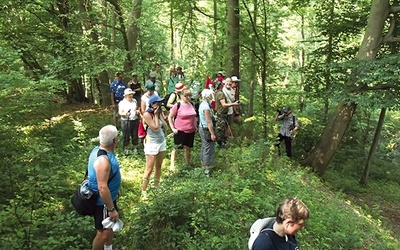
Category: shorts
<point>100,214</point>
<point>154,148</point>
<point>184,139</point>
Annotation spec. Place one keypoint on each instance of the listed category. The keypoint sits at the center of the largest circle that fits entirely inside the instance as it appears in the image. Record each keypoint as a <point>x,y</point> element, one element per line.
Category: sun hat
<point>152,74</point>
<point>179,87</point>
<point>235,79</point>
<point>221,72</point>
<point>155,98</point>
<point>150,85</point>
<point>128,91</point>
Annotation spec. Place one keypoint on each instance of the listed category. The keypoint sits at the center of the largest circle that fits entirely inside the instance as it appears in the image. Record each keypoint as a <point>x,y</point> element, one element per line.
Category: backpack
<point>84,199</point>
<point>256,228</point>
<point>166,98</point>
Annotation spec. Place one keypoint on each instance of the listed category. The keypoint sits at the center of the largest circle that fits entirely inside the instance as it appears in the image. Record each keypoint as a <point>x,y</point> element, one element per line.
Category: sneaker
<point>135,150</point>
<point>207,172</point>
<point>126,152</point>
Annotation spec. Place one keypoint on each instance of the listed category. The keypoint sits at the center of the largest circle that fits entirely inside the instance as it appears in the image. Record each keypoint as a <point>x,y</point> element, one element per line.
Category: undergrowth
<point>46,160</point>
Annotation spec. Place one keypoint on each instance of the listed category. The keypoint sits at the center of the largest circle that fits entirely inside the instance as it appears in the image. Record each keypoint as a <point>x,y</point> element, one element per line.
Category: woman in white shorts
<point>154,142</point>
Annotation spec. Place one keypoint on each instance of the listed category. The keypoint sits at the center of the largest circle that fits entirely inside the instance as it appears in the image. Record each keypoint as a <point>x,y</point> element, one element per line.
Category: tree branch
<point>205,14</point>
<point>394,9</point>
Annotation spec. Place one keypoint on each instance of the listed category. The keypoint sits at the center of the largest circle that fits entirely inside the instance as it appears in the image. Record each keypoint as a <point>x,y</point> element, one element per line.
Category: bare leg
<point>158,164</point>
<point>150,160</point>
<point>103,237</point>
<point>187,154</point>
<point>173,156</point>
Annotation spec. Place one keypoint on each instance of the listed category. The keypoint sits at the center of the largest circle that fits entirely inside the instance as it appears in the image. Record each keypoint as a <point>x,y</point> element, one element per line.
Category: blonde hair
<point>186,92</point>
<point>292,209</point>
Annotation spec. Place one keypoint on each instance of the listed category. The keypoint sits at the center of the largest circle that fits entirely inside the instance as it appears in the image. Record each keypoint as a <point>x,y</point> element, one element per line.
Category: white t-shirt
<point>126,105</point>
<point>230,98</point>
<point>146,98</point>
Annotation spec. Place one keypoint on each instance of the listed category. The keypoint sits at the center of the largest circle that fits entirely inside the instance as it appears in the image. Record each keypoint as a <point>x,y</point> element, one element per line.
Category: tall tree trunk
<point>215,29</point>
<point>320,156</point>
<point>232,60</point>
<point>327,75</point>
<point>128,63</point>
<point>302,65</point>
<point>253,69</point>
<point>374,145</point>
<point>172,30</point>
<point>133,30</point>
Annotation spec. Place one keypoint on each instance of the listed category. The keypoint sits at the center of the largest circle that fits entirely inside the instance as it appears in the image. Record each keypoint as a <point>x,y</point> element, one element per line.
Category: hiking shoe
<point>126,152</point>
<point>207,172</point>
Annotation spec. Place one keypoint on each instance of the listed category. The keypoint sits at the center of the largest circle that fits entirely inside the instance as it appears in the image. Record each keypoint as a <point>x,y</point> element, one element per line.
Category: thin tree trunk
<point>215,29</point>
<point>373,148</point>
<point>253,69</point>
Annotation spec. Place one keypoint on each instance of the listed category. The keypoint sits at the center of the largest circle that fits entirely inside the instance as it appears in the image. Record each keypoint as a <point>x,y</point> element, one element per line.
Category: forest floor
<point>389,210</point>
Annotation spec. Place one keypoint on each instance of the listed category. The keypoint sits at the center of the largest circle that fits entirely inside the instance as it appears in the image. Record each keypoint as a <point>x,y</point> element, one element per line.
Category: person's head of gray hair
<point>207,94</point>
<point>107,134</point>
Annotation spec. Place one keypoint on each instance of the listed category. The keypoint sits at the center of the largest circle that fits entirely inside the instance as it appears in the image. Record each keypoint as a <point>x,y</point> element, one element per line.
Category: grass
<point>188,211</point>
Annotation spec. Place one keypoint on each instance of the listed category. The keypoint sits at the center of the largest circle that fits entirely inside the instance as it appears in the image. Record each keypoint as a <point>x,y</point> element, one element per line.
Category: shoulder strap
<point>100,153</point>
<point>294,123</point>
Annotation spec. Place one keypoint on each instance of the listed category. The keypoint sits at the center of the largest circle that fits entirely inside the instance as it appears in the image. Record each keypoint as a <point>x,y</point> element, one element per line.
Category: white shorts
<point>154,148</point>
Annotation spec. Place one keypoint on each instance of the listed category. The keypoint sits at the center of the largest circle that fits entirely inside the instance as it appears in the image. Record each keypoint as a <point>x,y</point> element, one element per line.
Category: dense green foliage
<point>297,53</point>
<point>46,154</point>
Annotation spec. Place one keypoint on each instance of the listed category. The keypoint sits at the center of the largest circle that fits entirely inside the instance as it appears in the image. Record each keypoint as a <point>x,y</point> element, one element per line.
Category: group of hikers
<point>210,112</point>
<point>143,118</point>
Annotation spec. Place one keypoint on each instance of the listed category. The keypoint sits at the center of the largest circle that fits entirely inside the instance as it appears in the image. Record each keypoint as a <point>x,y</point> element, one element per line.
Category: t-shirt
<point>117,87</point>
<point>185,117</point>
<point>273,241</point>
<point>230,98</point>
<point>146,98</point>
<point>126,105</point>
<point>134,86</point>
<point>219,95</point>
<point>171,84</point>
<point>174,98</point>
<point>202,119</point>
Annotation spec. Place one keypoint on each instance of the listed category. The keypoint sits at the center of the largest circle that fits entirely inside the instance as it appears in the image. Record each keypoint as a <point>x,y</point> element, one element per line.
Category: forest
<point>335,63</point>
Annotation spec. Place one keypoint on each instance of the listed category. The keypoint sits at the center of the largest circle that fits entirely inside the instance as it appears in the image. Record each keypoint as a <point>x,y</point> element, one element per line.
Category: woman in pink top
<point>182,120</point>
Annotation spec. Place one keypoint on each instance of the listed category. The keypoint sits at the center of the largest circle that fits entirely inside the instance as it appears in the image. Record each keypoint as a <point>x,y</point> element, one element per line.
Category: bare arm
<point>142,106</point>
<point>103,168</point>
<point>226,105</point>
<point>171,121</point>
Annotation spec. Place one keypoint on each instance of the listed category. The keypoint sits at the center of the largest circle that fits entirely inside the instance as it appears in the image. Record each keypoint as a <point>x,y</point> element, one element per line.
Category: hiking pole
<point>126,130</point>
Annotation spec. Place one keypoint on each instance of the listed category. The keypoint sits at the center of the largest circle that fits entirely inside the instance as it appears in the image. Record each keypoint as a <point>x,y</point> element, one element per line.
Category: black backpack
<point>166,98</point>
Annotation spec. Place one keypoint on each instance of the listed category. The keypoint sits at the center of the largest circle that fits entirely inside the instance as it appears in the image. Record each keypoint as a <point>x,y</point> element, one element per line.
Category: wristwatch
<point>111,209</point>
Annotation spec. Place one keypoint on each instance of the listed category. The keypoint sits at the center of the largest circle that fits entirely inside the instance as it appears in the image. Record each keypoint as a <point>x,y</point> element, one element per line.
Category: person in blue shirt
<point>117,89</point>
<point>105,178</point>
<point>291,216</point>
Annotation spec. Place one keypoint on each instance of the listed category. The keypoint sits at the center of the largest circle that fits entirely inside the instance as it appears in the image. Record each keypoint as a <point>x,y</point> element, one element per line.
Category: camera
<point>279,112</point>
